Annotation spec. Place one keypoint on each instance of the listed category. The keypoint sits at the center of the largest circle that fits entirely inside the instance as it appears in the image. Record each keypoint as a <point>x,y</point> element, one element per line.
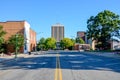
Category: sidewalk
<point>10,57</point>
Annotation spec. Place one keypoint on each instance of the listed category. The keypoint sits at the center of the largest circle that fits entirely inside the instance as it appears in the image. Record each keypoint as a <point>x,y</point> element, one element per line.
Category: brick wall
<point>32,40</point>
<point>14,27</point>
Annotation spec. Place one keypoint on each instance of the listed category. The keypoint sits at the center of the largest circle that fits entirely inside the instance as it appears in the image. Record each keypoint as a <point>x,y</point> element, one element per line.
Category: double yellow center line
<point>58,71</point>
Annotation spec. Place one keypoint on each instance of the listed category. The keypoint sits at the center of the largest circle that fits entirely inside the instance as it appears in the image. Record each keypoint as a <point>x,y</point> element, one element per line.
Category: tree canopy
<point>41,44</point>
<point>80,40</point>
<point>102,27</point>
<point>17,41</point>
<point>2,33</point>
<point>66,43</point>
<point>50,43</point>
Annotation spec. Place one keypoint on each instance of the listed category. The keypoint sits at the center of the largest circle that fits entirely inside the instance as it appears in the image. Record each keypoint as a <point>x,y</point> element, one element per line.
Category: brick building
<point>82,34</point>
<point>32,40</point>
<point>78,46</point>
<point>23,27</point>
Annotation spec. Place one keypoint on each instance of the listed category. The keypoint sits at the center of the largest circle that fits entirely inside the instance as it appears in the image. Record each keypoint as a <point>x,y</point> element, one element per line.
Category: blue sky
<point>42,14</point>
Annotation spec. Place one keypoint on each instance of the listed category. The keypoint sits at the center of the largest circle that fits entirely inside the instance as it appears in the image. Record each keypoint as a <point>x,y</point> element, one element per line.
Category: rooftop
<point>57,25</point>
<point>13,21</point>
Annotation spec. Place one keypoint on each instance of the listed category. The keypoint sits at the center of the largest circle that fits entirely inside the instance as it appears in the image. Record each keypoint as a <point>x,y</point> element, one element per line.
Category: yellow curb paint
<point>58,71</point>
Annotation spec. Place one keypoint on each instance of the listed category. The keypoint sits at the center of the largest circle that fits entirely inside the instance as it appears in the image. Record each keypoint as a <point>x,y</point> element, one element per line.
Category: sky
<point>42,14</point>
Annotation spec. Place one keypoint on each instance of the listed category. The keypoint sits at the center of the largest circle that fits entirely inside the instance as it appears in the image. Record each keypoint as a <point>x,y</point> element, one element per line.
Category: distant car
<point>81,50</point>
<point>117,51</point>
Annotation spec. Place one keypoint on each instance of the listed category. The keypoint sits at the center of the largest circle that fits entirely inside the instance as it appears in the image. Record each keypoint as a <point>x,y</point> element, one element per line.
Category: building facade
<point>32,40</point>
<point>81,47</point>
<point>22,27</point>
<point>82,34</point>
<point>57,32</point>
<point>115,44</point>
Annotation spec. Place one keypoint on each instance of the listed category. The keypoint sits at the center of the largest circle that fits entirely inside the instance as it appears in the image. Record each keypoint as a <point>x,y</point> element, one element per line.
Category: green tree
<point>2,33</point>
<point>50,43</point>
<point>66,43</point>
<point>80,40</point>
<point>102,27</point>
<point>17,41</point>
<point>73,40</point>
<point>41,44</point>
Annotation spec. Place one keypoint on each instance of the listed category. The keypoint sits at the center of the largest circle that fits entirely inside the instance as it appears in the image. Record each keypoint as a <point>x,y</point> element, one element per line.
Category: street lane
<point>69,65</point>
<point>38,67</point>
<point>84,66</point>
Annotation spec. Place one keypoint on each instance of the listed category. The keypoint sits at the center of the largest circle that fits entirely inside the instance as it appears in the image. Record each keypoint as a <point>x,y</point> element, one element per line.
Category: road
<point>58,65</point>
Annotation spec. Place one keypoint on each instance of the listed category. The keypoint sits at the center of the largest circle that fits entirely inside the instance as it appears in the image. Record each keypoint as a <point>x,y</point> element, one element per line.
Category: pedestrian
<point>29,53</point>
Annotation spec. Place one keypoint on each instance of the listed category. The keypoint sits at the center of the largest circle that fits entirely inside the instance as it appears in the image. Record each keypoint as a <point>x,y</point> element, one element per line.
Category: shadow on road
<point>68,60</point>
<point>84,61</point>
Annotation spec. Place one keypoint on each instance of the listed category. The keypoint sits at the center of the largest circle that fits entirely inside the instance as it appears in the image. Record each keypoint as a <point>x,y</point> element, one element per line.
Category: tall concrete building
<point>22,27</point>
<point>57,32</point>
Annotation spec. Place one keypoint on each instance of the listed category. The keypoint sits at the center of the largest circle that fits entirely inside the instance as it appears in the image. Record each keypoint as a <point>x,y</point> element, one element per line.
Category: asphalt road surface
<point>59,65</point>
